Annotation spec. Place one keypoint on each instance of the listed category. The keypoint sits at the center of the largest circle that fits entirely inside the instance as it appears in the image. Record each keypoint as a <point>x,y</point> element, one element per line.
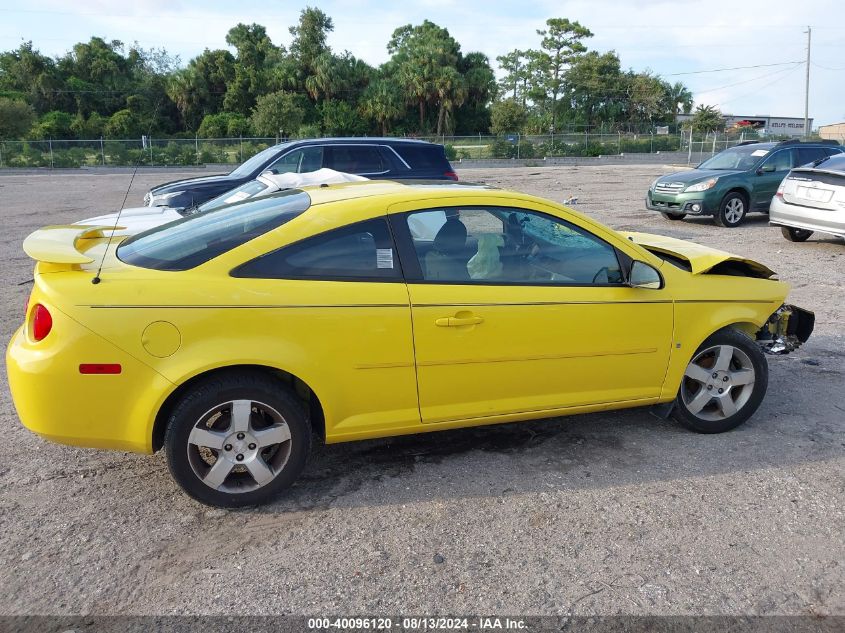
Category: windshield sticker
<point>384,258</point>
<point>759,152</point>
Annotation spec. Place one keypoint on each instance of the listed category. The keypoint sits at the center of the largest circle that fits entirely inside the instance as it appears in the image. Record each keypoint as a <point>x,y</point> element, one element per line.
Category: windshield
<point>198,238</point>
<point>743,158</point>
<point>238,194</point>
<point>250,165</point>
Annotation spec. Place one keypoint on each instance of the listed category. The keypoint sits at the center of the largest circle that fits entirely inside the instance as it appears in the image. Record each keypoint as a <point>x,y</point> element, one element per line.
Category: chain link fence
<point>233,151</point>
<point>148,152</point>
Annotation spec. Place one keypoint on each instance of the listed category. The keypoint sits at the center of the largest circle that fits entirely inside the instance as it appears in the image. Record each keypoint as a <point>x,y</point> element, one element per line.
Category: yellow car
<point>374,309</point>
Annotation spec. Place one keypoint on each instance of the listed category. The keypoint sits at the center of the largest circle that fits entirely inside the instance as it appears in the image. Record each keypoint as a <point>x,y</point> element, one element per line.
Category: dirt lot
<point>598,514</point>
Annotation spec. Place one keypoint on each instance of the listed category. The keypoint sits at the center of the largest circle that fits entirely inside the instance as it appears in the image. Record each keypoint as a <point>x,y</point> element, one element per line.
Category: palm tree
<point>680,99</point>
<point>381,103</point>
<point>451,92</point>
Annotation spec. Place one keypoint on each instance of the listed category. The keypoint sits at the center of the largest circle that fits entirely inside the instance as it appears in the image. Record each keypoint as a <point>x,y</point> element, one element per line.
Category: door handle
<point>456,321</point>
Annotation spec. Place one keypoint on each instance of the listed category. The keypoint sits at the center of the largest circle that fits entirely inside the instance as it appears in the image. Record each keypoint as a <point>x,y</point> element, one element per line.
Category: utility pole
<point>807,88</point>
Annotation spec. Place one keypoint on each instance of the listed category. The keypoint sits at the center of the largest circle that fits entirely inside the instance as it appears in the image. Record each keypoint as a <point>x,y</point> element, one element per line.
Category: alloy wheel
<point>239,446</point>
<point>718,382</point>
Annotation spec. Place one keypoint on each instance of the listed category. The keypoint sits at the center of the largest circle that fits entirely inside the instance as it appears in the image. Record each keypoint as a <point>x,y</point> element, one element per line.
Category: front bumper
<point>786,330</point>
<point>678,204</point>
<point>807,218</point>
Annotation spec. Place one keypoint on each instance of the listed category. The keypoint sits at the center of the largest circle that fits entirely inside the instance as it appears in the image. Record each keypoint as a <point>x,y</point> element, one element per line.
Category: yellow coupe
<point>373,309</point>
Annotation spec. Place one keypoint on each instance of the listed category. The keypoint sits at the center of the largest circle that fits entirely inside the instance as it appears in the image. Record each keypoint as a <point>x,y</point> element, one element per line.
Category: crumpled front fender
<point>786,329</point>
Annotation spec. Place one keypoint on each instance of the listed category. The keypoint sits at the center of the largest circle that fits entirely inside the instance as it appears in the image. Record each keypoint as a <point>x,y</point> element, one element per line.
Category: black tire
<point>795,235</point>
<point>209,406</point>
<point>673,216</point>
<point>732,210</point>
<point>699,406</point>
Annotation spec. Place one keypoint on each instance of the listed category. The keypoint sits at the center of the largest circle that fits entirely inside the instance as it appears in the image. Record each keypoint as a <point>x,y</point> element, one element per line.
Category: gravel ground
<point>617,513</point>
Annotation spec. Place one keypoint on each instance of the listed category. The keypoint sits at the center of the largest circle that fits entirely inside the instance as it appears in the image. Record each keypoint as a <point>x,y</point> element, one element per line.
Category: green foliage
<point>224,125</point>
<point>123,124</point>
<point>16,118</point>
<point>278,113</point>
<point>507,116</point>
<point>707,119</point>
<point>55,124</point>
<point>429,85</point>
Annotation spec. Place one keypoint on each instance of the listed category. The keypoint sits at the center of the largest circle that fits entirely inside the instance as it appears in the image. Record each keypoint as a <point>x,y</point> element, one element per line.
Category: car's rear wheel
<point>732,210</point>
<point>237,439</point>
<point>795,235</point>
<point>723,384</point>
<point>673,216</point>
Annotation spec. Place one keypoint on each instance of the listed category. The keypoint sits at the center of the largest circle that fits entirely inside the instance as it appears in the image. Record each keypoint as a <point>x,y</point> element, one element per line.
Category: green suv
<point>734,182</point>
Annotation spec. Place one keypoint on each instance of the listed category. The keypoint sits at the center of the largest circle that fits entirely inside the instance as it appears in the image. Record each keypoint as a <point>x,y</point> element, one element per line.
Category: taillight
<point>781,187</point>
<point>451,175</point>
<point>42,322</point>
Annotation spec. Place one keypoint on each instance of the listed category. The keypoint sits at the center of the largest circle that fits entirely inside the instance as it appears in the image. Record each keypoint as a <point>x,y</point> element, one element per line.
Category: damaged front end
<point>786,330</point>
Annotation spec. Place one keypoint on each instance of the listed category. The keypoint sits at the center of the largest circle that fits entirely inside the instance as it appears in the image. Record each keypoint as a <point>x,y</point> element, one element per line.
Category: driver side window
<point>780,161</point>
<point>509,246</point>
<point>299,161</point>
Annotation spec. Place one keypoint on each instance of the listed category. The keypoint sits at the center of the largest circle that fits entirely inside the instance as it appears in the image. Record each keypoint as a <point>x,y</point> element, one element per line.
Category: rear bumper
<point>808,218</point>
<point>786,330</point>
<point>55,400</point>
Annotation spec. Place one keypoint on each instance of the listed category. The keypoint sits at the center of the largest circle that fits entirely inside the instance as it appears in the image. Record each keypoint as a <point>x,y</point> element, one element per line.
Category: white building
<point>764,124</point>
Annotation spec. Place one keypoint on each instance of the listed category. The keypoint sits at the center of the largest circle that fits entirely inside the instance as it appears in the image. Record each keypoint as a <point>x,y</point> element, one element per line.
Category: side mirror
<point>644,276</point>
<point>766,169</point>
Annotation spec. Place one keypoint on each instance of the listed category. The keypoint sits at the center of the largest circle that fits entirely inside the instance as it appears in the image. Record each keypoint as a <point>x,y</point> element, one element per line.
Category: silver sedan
<point>810,199</point>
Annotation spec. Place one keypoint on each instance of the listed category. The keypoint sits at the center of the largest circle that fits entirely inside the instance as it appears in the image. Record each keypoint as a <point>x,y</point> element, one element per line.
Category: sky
<point>679,39</point>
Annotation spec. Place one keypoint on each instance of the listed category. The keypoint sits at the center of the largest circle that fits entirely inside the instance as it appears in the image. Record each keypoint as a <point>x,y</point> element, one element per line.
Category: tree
<point>253,48</point>
<point>561,44</point>
<point>381,104</point>
<point>123,124</point>
<point>679,98</point>
<point>420,56</point>
<point>707,119</point>
<point>16,118</point>
<point>595,89</point>
<point>309,38</point>
<point>277,113</point>
<point>508,116</point>
<point>646,100</point>
<point>515,65</point>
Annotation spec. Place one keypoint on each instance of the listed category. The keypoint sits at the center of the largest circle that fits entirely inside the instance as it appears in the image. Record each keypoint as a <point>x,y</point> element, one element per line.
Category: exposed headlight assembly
<point>157,200</point>
<point>702,186</point>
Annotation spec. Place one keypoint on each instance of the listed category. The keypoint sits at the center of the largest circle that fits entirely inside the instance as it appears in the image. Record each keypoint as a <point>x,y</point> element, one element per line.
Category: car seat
<point>487,262</point>
<point>447,260</point>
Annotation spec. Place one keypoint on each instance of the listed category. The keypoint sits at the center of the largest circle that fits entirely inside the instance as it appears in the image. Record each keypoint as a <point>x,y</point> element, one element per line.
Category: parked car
<point>734,182</point>
<point>228,337</point>
<point>387,158</point>
<point>136,220</point>
<point>810,199</point>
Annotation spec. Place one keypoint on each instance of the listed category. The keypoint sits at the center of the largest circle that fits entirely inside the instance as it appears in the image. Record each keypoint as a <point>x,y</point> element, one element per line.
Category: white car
<point>811,198</point>
<point>136,220</point>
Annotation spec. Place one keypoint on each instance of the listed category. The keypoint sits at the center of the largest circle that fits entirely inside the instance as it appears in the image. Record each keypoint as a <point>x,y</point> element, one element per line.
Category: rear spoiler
<point>60,244</point>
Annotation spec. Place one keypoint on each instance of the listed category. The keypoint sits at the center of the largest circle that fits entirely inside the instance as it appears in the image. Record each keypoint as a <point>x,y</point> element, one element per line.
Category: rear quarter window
<point>198,238</point>
<point>423,156</point>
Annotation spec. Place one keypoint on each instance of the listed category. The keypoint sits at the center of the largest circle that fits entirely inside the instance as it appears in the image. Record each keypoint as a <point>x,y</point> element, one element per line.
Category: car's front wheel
<point>732,211</point>
<point>795,235</point>
<point>723,384</point>
<point>673,216</point>
<point>237,439</point>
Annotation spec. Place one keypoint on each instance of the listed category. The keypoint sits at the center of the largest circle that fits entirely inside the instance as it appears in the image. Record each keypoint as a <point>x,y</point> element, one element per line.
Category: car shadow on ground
<point>610,449</point>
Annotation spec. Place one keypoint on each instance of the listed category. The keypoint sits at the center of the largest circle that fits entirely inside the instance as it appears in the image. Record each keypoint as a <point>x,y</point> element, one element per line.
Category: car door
<point>340,300</point>
<point>516,310</point>
<point>769,176</point>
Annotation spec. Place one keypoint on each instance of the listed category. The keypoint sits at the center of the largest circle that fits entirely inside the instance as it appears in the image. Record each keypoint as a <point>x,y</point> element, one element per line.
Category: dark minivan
<point>384,158</point>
